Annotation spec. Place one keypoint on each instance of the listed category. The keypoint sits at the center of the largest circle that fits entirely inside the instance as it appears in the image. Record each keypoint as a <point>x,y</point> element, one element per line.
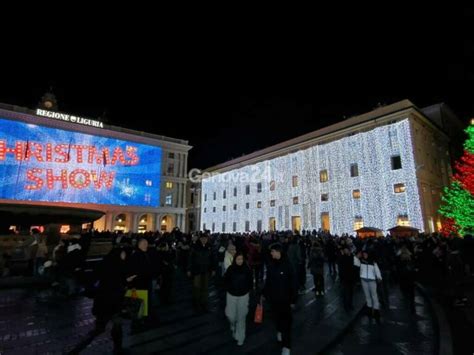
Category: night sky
<point>238,99</point>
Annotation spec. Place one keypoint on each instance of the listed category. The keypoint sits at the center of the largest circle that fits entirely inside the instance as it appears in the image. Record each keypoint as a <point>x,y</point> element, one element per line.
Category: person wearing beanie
<point>280,291</point>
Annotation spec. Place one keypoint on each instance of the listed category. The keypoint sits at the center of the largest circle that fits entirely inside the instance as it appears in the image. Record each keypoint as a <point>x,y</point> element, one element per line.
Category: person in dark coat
<point>316,266</point>
<point>200,268</point>
<point>281,289</point>
<point>108,300</point>
<point>347,275</point>
<point>141,265</point>
<point>238,281</point>
<point>166,265</point>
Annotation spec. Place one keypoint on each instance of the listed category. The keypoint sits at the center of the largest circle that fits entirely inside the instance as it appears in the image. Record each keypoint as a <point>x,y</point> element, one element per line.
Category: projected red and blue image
<point>39,163</point>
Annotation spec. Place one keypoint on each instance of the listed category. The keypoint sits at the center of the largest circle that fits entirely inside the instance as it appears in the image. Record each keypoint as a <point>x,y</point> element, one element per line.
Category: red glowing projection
<point>69,154</point>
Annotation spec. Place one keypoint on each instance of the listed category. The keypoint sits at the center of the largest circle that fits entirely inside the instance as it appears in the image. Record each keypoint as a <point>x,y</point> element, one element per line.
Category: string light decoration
<point>458,198</point>
<point>378,206</point>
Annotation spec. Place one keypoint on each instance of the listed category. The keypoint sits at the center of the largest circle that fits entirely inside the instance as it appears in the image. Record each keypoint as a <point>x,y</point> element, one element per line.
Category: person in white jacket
<point>229,257</point>
<point>369,276</point>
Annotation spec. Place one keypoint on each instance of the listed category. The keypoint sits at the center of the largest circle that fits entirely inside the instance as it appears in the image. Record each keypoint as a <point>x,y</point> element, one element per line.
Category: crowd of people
<point>270,267</point>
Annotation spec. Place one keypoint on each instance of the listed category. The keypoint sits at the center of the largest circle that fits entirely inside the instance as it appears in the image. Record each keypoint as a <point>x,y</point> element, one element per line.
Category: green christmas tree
<point>458,198</point>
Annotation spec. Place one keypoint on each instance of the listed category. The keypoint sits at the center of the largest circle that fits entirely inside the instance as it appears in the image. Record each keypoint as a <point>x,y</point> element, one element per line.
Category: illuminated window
<point>247,190</point>
<point>396,162</point>
<point>325,197</point>
<point>235,191</point>
<point>247,205</point>
<point>169,200</point>
<point>259,204</point>
<point>403,220</point>
<point>356,194</point>
<point>323,176</point>
<point>399,188</point>
<point>294,181</point>
<point>272,185</point>
<point>358,223</point>
<point>169,185</point>
<point>247,226</point>
<point>295,200</point>
<point>272,203</point>
<point>235,207</point>
<point>234,227</point>
<point>224,194</point>
<point>149,183</point>
<point>259,187</point>
<point>354,170</point>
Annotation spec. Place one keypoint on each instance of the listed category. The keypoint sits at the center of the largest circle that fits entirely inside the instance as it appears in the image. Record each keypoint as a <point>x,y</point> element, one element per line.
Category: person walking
<point>347,275</point>
<point>200,268</point>
<point>281,292</point>
<point>316,266</point>
<point>238,283</point>
<point>369,275</point>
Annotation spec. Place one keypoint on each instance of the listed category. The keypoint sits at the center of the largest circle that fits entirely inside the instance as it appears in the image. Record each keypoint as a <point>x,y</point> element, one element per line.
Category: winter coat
<point>369,270</point>
<point>238,280</point>
<point>201,259</point>
<point>141,265</point>
<point>281,284</point>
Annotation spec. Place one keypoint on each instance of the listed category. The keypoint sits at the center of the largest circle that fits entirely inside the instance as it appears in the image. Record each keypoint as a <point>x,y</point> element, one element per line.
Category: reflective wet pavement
<point>35,322</point>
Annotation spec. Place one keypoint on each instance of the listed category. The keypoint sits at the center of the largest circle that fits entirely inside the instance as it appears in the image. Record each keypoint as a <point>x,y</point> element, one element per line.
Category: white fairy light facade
<point>368,176</point>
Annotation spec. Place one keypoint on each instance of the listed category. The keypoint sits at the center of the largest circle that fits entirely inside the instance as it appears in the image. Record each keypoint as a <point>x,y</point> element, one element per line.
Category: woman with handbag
<point>238,283</point>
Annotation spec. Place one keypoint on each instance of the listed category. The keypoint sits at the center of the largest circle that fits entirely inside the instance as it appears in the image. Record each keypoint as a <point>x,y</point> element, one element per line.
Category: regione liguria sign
<point>69,118</point>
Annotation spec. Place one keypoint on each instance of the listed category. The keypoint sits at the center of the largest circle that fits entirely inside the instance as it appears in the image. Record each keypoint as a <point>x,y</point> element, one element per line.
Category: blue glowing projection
<point>47,164</point>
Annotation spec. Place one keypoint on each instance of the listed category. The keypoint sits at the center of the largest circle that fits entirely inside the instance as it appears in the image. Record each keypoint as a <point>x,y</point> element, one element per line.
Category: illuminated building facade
<point>380,169</point>
<point>51,159</point>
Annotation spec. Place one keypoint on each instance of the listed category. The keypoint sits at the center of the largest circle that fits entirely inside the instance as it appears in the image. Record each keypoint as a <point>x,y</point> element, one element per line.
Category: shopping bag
<point>258,314</point>
<point>141,294</point>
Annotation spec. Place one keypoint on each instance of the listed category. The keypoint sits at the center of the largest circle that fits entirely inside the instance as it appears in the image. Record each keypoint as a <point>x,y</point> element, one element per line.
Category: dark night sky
<point>242,98</point>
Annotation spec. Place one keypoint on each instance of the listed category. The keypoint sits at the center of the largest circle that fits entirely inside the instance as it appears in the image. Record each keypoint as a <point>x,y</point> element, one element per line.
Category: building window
<point>235,207</point>
<point>235,191</point>
<point>170,155</point>
<point>323,176</point>
<point>204,226</point>
<point>259,225</point>
<point>169,200</point>
<point>325,197</point>
<point>205,209</point>
<point>294,181</point>
<point>259,204</point>
<point>272,203</point>
<point>224,194</point>
<point>205,197</point>
<point>396,162</point>
<point>192,198</point>
<point>247,226</point>
<point>247,190</point>
<point>169,185</point>
<point>259,187</point>
<point>149,183</point>
<point>272,185</point>
<point>215,195</point>
<point>358,223</point>
<point>223,227</point>
<point>213,209</point>
<point>295,200</point>
<point>223,208</point>
<point>247,205</point>
<point>403,220</point>
<point>170,168</point>
<point>399,188</point>
<point>234,227</point>
<point>354,170</point>
<point>355,194</point>
<point>213,227</point>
